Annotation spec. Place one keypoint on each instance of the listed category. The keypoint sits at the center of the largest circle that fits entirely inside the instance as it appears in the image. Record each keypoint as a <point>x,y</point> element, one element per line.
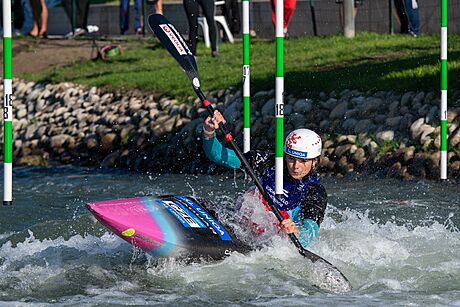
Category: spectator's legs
<point>252,31</point>
<point>84,8</point>
<point>43,18</point>
<point>402,16</point>
<point>28,22</point>
<point>191,10</point>
<point>413,16</point>
<point>209,11</point>
<point>138,16</point>
<point>159,7</point>
<point>124,16</point>
<point>36,12</point>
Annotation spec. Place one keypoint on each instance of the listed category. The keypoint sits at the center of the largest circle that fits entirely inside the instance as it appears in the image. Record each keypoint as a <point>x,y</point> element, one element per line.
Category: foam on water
<point>393,252</point>
<point>381,260</point>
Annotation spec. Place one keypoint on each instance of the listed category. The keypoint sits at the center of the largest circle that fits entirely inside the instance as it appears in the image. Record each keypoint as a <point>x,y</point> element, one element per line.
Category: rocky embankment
<point>381,133</point>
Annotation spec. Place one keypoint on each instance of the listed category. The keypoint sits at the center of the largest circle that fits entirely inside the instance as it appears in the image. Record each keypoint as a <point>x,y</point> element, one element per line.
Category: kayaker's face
<point>299,168</point>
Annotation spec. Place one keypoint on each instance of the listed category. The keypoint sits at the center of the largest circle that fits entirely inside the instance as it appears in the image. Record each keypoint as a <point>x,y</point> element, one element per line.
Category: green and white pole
<point>7,106</point>
<point>246,79</point>
<point>444,89</point>
<point>279,92</point>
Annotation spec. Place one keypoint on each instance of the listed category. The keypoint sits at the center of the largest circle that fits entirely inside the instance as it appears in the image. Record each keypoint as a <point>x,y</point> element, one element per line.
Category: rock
<point>33,160</point>
<point>364,126</point>
<point>111,160</point>
<point>415,128</point>
<point>385,136</point>
<point>21,113</point>
<point>303,106</point>
<point>454,139</point>
<point>60,111</point>
<point>353,113</point>
<point>342,149</point>
<point>339,111</point>
<point>406,99</point>
<point>359,156</point>
<point>298,120</point>
<point>370,106</point>
<point>58,141</point>
<point>426,130</point>
<point>269,107</point>
<point>419,98</point>
<point>372,147</point>
<point>329,104</point>
<point>393,122</point>
<point>393,108</point>
<point>433,116</point>
<point>349,124</point>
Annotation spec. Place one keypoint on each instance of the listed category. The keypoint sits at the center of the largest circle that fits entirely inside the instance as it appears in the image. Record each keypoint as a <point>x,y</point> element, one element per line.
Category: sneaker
<point>92,28</point>
<point>139,31</point>
<point>77,32</point>
<point>413,34</point>
<point>215,54</point>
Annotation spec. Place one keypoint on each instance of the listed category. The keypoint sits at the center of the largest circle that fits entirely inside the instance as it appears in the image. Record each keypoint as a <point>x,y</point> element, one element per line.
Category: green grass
<point>312,64</point>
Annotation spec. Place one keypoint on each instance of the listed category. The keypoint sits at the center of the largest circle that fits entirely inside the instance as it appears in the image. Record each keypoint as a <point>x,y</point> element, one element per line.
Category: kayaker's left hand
<point>288,226</point>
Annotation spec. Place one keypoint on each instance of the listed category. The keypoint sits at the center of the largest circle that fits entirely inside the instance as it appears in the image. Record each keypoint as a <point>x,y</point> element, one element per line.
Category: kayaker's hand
<point>212,123</point>
<point>288,226</point>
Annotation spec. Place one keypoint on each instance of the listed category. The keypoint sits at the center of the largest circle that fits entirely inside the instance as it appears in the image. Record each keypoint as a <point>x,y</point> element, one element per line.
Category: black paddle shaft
<point>229,138</point>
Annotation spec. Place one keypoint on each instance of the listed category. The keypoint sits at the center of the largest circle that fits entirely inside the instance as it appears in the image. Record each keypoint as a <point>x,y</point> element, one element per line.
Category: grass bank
<point>312,64</point>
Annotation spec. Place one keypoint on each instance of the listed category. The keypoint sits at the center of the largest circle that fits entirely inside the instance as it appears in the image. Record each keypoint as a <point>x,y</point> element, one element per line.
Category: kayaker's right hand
<point>212,123</point>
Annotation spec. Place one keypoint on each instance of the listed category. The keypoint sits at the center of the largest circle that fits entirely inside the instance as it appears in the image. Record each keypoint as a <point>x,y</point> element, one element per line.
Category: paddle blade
<point>173,41</point>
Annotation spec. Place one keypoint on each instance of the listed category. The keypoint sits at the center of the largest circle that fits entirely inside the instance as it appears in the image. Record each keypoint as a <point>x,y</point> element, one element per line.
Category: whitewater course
<point>390,226</point>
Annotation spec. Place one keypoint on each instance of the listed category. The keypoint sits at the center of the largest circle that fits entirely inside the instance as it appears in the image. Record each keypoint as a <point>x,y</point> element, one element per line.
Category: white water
<point>396,242</point>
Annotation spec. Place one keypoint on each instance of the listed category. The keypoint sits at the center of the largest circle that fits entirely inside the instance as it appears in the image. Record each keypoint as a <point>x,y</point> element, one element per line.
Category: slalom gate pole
<point>279,91</point>
<point>391,17</point>
<point>443,89</point>
<point>246,79</point>
<point>7,106</point>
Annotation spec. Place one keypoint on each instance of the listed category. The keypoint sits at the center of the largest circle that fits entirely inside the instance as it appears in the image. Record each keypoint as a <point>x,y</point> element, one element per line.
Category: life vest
<point>289,204</point>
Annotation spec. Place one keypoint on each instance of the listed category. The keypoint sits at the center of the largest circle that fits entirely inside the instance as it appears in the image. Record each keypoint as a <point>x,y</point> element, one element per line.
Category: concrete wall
<point>373,16</point>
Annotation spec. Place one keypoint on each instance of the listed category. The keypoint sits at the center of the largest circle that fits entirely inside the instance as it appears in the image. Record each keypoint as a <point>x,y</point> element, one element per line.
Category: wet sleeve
<point>259,160</point>
<point>313,207</point>
<point>314,204</point>
<point>220,154</point>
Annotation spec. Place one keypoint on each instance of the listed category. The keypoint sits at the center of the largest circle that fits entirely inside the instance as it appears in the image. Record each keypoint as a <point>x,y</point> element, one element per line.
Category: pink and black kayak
<point>168,226</point>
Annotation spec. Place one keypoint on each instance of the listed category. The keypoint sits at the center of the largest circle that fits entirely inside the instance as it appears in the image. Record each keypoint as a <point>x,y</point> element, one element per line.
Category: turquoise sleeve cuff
<point>308,232</point>
<point>220,154</point>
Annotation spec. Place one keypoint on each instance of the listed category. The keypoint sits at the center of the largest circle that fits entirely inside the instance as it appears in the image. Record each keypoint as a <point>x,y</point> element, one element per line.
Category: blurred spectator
<point>413,16</point>
<point>18,14</point>
<point>81,14</point>
<point>209,11</point>
<point>289,7</point>
<point>402,16</point>
<point>341,10</point>
<point>158,4</point>
<point>231,11</point>
<point>252,30</point>
<point>124,16</point>
<point>40,16</point>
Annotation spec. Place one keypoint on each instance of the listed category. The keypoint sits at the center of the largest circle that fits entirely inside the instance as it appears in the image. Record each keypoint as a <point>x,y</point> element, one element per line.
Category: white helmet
<point>303,143</point>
